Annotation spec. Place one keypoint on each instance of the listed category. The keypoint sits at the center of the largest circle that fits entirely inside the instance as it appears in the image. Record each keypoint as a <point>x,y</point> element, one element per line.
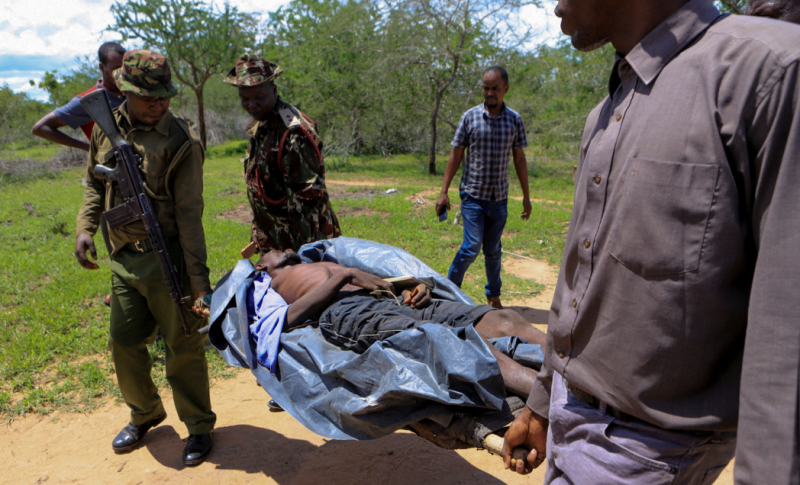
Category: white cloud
<point>59,31</point>
<point>544,23</point>
<point>66,28</point>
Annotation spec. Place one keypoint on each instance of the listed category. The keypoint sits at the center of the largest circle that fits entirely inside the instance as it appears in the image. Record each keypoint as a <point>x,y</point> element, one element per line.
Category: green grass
<point>54,327</point>
<point>42,152</point>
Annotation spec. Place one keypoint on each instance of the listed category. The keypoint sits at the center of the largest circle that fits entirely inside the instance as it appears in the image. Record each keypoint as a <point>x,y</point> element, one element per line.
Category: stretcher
<point>443,384</point>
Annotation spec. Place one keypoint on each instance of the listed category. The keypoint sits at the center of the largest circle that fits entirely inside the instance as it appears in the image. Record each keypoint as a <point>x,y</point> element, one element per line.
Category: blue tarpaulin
<point>429,373</point>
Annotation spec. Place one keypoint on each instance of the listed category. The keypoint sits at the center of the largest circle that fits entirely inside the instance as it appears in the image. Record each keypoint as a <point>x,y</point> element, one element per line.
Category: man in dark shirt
<point>72,114</point>
<point>674,323</point>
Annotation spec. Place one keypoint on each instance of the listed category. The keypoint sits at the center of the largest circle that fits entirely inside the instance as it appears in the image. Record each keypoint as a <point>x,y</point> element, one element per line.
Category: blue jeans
<point>484,221</point>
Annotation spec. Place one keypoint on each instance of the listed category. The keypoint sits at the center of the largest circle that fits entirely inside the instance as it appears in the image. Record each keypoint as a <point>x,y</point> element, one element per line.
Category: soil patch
<point>359,211</point>
<point>251,445</point>
<point>241,213</point>
<point>560,202</point>
<point>344,194</point>
<point>535,270</point>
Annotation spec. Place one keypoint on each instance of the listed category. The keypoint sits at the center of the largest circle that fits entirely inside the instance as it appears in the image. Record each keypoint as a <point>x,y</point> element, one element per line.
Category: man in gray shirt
<point>681,269</point>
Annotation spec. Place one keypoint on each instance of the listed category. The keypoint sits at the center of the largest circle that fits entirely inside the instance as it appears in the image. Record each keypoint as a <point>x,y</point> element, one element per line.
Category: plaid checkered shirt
<point>489,142</point>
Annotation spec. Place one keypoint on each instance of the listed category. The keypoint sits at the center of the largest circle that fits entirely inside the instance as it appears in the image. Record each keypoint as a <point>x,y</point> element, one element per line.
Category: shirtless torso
<point>293,282</point>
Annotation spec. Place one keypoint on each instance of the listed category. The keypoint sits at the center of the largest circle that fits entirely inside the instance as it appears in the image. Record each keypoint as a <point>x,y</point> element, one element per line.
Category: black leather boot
<point>131,435</point>
<point>197,448</point>
<point>274,407</point>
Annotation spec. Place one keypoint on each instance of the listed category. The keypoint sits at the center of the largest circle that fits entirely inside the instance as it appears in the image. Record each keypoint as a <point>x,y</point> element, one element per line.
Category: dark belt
<point>145,245</point>
<point>595,403</point>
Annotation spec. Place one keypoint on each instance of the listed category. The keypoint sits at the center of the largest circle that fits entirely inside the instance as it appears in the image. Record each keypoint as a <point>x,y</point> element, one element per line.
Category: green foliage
<point>18,114</point>
<point>732,6</point>
<point>229,149</point>
<point>554,88</point>
<point>199,40</point>
<point>62,88</point>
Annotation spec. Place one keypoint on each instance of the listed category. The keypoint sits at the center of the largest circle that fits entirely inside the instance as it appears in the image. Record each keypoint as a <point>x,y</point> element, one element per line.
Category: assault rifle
<point>136,205</point>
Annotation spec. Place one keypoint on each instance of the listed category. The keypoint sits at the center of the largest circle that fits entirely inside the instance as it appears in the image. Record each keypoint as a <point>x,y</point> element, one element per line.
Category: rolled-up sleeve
<point>768,449</point>
<point>188,198</point>
<point>93,195</point>
<point>521,140</point>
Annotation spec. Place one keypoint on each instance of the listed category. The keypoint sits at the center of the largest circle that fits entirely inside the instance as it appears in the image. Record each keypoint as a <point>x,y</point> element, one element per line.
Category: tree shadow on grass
<point>400,458</point>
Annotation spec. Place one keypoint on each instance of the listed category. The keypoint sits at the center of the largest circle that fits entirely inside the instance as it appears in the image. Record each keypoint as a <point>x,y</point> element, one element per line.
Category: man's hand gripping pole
<point>136,202</point>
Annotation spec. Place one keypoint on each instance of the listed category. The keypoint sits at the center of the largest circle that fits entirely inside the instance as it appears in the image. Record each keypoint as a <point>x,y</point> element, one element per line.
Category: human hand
<point>419,297</point>
<point>202,304</point>
<point>370,282</point>
<point>530,431</point>
<point>526,208</point>
<point>442,203</point>
<point>84,242</point>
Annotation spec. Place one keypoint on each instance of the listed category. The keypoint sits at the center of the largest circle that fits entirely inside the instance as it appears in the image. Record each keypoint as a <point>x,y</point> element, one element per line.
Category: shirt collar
<point>655,51</point>
<point>100,85</point>
<point>162,126</point>
<point>486,111</point>
<point>273,120</point>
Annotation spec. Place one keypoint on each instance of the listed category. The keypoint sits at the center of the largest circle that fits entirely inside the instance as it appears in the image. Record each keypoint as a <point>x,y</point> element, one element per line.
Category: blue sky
<point>44,35</point>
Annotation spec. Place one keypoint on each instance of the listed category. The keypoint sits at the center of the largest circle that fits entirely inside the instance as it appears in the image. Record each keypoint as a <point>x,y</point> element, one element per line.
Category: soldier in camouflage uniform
<point>172,166</point>
<point>284,169</point>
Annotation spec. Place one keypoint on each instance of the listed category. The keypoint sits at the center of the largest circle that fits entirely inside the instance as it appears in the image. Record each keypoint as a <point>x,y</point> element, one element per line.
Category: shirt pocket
<point>660,222</point>
<point>155,171</point>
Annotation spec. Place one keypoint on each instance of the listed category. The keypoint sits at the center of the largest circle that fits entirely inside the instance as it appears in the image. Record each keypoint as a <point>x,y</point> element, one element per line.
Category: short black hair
<point>102,52</point>
<point>500,70</point>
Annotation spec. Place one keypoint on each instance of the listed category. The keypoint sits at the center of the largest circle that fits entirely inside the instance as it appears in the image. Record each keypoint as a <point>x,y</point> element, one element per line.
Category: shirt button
<point>574,303</point>
<point>619,117</point>
<point>561,354</point>
<point>587,244</point>
<point>597,180</point>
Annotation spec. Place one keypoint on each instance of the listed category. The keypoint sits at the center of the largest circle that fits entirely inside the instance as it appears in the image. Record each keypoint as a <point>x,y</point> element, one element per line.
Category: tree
<point>449,41</point>
<point>733,6</point>
<point>329,52</point>
<point>199,40</point>
<point>62,88</point>
<point>18,113</point>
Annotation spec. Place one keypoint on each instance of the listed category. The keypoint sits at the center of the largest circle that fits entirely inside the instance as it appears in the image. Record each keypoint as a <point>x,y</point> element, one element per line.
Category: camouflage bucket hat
<point>146,73</point>
<point>252,70</point>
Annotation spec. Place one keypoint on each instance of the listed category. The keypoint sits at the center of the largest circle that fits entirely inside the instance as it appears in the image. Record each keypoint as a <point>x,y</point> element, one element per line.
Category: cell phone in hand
<point>443,216</point>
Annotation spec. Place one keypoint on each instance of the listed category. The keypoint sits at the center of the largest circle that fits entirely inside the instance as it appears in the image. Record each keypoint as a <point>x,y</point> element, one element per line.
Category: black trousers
<point>356,322</point>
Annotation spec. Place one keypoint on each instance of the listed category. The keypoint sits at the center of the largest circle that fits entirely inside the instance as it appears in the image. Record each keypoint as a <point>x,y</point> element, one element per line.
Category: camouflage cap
<point>252,70</point>
<point>146,73</point>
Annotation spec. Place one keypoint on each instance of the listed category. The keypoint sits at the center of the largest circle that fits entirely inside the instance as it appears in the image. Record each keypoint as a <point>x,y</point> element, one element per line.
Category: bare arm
<point>521,166</point>
<point>449,173</point>
<point>48,128</point>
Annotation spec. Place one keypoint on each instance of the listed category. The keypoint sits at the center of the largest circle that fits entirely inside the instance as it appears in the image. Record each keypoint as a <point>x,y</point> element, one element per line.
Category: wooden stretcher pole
<point>494,444</point>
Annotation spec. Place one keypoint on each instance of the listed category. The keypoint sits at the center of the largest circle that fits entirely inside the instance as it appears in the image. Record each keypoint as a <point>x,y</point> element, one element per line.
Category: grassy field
<point>54,327</point>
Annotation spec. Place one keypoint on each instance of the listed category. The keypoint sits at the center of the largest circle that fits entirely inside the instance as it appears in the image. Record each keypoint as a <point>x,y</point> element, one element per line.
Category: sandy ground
<point>251,444</point>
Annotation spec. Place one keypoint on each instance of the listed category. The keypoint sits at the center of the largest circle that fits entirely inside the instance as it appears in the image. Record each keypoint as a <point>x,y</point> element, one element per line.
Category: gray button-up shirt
<point>685,236</point>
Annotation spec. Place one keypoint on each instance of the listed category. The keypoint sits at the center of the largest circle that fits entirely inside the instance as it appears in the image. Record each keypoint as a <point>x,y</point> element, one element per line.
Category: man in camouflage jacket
<point>284,169</point>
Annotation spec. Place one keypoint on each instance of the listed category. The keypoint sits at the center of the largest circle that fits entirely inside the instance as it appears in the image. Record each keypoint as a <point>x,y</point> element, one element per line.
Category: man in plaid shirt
<point>491,132</point>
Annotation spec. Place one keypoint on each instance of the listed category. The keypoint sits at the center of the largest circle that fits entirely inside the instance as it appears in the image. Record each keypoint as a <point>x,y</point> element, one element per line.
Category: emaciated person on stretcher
<point>353,314</point>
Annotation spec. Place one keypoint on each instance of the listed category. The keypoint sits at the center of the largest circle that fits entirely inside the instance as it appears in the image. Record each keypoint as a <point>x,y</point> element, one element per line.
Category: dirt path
<point>251,445</point>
